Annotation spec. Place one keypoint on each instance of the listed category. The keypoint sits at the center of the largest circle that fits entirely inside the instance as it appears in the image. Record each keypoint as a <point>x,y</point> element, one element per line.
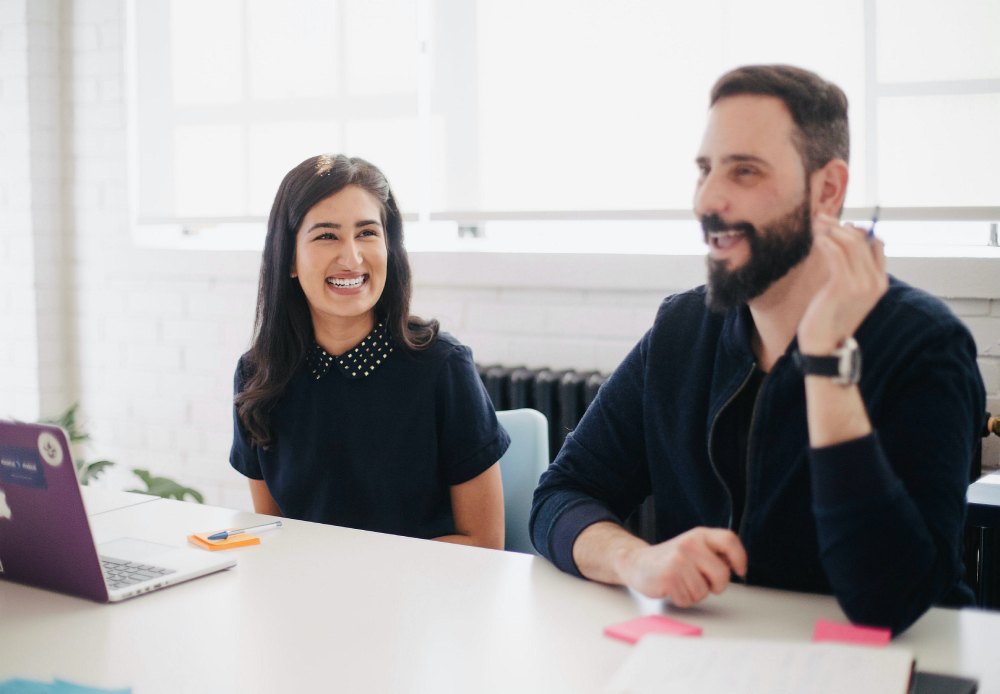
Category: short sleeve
<point>470,439</point>
<point>242,455</point>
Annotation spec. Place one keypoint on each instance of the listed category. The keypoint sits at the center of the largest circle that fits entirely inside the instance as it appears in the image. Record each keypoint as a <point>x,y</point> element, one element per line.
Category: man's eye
<point>743,171</point>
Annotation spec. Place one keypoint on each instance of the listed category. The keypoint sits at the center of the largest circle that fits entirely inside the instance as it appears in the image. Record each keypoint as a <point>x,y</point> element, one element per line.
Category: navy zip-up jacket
<point>875,521</point>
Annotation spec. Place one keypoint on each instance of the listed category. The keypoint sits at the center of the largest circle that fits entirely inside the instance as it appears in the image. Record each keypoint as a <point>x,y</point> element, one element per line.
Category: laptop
<point>45,536</point>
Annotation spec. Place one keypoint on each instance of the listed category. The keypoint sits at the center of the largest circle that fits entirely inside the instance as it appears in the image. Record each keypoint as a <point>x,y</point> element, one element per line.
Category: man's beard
<point>783,244</point>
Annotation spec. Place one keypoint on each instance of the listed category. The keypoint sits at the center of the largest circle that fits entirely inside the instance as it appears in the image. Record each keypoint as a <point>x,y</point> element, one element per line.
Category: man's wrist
<point>625,555</point>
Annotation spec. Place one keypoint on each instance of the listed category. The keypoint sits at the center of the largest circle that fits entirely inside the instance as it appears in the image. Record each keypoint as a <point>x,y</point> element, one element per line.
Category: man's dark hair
<point>818,107</point>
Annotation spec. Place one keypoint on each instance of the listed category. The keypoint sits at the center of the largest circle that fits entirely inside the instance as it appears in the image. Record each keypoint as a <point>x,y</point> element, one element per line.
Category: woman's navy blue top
<point>377,451</point>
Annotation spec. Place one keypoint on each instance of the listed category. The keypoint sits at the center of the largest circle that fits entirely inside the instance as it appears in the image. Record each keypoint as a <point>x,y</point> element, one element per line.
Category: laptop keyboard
<point>119,573</point>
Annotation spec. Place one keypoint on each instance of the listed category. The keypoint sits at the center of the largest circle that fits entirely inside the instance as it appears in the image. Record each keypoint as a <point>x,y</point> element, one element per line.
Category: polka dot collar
<point>358,362</point>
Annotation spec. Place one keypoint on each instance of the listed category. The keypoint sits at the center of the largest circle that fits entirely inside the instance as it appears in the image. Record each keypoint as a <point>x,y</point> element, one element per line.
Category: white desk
<point>98,500</point>
<point>320,608</point>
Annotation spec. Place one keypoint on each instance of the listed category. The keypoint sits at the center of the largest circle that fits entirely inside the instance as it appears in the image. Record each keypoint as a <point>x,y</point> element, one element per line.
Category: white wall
<point>147,340</point>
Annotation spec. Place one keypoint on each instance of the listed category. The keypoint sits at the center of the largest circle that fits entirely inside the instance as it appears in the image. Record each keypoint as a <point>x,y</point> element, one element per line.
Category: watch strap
<point>811,365</point>
<point>843,366</point>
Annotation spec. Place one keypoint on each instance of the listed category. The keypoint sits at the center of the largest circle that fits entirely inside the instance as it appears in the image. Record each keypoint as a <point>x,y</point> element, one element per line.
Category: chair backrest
<point>520,467</point>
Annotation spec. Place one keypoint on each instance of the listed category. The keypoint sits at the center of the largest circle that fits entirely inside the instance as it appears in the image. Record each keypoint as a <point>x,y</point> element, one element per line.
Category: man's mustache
<point>713,222</point>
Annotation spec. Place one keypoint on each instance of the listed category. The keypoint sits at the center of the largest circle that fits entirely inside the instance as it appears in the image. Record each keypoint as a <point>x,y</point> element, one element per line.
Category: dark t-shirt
<point>376,452</point>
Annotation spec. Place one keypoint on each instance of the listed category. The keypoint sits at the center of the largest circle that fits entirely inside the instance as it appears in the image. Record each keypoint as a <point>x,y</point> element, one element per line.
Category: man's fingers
<point>716,573</point>
<point>678,592</point>
<point>693,587</point>
<point>856,253</point>
<point>713,568</point>
<point>838,262</point>
<point>878,249</point>
<point>710,570</point>
<point>690,566</point>
<point>865,259</point>
<point>726,544</point>
<point>858,247</point>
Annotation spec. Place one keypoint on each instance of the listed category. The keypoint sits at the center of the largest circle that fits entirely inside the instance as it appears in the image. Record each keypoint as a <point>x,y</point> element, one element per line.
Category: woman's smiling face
<point>341,258</point>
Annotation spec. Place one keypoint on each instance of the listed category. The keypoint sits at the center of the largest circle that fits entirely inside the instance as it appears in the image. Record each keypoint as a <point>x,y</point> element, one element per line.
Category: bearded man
<point>804,421</point>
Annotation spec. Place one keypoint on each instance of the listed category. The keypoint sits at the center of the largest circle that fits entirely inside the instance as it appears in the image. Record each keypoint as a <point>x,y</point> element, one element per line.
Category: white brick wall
<point>19,387</point>
<point>151,337</point>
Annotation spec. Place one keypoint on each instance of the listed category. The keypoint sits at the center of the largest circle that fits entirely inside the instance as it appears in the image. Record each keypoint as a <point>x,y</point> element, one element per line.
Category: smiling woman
<point>347,409</point>
<point>341,259</point>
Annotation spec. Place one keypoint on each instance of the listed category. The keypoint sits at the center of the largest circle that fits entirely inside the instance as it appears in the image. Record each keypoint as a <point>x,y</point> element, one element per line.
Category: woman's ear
<point>829,187</point>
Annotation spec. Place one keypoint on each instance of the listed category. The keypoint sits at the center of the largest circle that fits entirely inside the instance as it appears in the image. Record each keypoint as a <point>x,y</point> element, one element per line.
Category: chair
<point>520,468</point>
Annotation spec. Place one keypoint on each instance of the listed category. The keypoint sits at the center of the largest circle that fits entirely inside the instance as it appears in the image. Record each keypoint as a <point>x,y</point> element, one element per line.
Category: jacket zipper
<point>746,476</point>
<point>711,439</point>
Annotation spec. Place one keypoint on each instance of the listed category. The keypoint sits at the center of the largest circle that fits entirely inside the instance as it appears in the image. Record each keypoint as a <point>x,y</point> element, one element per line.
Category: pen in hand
<point>871,228</point>
<point>224,534</point>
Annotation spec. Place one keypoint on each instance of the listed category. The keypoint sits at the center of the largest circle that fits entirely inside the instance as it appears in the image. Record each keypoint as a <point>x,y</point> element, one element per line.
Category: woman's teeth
<point>346,283</point>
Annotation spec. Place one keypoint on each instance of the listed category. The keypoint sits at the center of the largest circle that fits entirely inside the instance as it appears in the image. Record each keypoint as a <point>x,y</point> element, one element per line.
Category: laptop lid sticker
<point>50,449</point>
<point>23,466</point>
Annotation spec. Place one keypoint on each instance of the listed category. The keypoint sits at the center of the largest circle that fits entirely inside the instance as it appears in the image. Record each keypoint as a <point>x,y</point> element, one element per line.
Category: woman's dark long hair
<point>283,329</point>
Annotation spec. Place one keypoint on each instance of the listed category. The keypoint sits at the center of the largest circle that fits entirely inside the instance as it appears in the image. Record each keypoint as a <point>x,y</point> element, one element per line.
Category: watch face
<point>850,362</point>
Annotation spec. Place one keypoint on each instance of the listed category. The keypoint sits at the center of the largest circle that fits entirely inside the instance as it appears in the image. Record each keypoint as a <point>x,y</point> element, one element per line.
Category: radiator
<point>561,395</point>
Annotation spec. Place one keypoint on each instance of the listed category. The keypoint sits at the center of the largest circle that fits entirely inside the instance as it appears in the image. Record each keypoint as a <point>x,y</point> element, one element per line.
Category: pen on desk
<point>224,534</point>
<point>871,228</point>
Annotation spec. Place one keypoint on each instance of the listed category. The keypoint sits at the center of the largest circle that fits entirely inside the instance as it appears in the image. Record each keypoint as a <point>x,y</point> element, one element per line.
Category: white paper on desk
<point>734,666</point>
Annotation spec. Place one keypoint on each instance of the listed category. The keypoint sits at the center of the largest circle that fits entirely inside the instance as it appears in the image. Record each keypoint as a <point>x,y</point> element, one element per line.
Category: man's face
<point>752,198</point>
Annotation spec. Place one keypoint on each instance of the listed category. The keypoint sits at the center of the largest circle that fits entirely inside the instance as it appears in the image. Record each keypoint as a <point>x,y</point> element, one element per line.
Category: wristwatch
<point>843,366</point>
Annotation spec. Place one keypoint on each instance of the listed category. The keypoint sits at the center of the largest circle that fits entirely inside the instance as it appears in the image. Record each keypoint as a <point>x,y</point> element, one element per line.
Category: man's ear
<point>829,187</point>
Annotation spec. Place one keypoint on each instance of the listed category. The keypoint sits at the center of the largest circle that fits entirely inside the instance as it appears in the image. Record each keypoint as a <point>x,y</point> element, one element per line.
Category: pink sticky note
<point>635,629</point>
<point>849,633</point>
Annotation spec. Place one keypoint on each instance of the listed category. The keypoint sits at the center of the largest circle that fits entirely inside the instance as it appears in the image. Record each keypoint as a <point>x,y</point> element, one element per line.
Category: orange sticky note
<point>850,633</point>
<point>634,629</point>
<point>242,540</point>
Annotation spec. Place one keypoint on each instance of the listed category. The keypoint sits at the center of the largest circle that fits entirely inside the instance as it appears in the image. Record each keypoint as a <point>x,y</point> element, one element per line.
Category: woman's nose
<point>350,254</point>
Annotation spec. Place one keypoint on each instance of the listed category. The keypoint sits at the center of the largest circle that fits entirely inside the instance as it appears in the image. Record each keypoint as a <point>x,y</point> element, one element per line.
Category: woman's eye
<point>325,236</point>
<point>368,232</point>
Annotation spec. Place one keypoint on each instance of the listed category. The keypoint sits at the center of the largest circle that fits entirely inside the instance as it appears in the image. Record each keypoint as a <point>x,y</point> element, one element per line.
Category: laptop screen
<point>45,537</point>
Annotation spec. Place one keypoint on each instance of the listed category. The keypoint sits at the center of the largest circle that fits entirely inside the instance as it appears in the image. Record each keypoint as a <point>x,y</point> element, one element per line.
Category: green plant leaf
<point>165,487</point>
<point>91,471</point>
<point>87,471</point>
<point>67,420</point>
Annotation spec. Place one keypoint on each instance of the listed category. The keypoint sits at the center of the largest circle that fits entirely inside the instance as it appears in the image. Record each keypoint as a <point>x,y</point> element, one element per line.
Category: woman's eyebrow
<point>334,225</point>
<point>322,225</point>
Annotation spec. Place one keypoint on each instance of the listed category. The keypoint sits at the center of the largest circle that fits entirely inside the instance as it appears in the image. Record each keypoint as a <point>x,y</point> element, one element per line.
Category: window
<point>231,94</point>
<point>488,111</point>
